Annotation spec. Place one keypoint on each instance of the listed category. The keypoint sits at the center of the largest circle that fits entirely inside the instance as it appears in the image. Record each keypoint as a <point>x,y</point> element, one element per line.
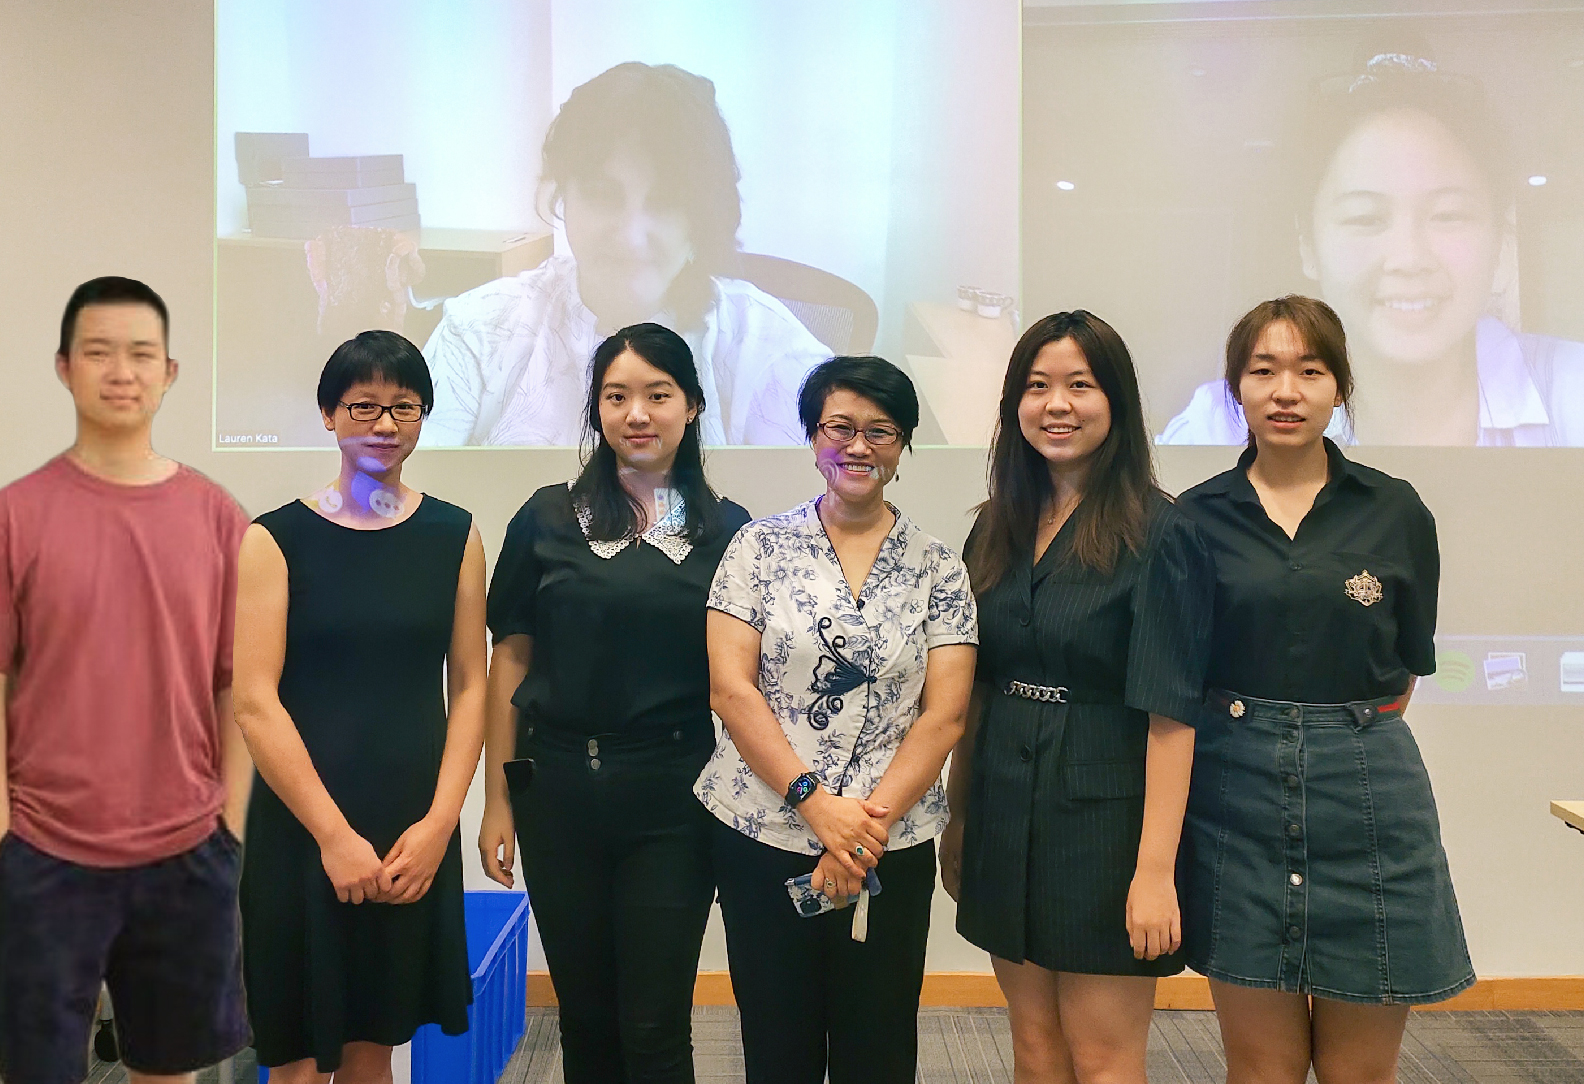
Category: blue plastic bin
<point>497,937</point>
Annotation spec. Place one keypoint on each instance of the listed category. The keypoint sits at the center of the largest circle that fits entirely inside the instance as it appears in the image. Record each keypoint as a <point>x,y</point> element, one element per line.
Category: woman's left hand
<point>415,858</point>
<point>832,879</point>
<point>1154,924</point>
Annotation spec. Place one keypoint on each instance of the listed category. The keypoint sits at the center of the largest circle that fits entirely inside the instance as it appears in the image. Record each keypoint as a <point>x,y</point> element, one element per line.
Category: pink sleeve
<point>9,623</point>
<point>233,523</point>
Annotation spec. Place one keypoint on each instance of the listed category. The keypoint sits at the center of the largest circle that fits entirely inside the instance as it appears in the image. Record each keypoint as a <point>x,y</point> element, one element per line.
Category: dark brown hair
<point>1113,513</point>
<point>670,119</point>
<point>1318,325</point>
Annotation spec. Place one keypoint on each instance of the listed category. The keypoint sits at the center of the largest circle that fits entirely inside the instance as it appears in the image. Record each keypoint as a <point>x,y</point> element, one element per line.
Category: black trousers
<point>812,999</point>
<point>616,856</point>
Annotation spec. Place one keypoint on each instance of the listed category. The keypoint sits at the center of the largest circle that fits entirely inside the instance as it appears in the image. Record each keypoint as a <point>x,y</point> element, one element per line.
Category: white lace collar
<point>668,534</point>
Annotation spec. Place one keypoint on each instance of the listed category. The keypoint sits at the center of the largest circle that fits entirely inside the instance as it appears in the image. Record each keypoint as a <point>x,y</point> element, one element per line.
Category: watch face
<point>800,789</point>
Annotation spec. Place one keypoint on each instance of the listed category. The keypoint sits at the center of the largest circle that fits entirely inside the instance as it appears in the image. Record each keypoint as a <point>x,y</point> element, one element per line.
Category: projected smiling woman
<point>1407,226</point>
<point>639,169</point>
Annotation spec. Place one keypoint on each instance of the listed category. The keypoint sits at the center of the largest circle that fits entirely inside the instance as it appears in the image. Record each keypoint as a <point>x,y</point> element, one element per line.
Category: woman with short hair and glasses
<point>360,675</point>
<point>841,644</point>
<point>599,715</point>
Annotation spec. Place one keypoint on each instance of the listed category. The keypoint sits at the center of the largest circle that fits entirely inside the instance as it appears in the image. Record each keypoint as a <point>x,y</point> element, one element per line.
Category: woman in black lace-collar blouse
<point>599,687</point>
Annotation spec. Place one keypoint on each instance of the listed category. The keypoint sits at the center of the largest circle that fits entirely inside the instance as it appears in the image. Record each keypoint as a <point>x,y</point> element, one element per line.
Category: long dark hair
<point>615,512</point>
<point>1114,510</point>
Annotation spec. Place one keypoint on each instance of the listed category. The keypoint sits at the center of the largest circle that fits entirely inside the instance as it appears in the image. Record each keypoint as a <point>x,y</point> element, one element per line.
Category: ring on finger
<point>858,850</point>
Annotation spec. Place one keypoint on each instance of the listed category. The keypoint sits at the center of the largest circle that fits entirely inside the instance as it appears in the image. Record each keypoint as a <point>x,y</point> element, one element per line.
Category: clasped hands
<point>402,876</point>
<point>854,833</point>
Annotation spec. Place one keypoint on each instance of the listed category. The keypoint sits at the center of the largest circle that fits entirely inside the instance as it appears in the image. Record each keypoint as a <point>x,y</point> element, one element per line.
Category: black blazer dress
<point>1056,803</point>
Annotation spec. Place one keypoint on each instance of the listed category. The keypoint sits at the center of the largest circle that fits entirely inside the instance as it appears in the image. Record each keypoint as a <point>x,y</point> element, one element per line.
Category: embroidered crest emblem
<point>1364,589</point>
<point>1237,709</point>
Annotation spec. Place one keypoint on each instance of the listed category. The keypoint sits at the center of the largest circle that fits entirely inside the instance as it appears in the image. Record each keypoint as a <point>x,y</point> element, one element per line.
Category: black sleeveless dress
<point>367,630</point>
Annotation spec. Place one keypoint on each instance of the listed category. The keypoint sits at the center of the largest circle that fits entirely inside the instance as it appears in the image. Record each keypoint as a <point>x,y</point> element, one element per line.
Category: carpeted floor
<point>973,1046</point>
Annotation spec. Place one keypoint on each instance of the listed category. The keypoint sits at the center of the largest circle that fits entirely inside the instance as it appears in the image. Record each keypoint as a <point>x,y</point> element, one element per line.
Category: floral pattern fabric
<point>843,675</point>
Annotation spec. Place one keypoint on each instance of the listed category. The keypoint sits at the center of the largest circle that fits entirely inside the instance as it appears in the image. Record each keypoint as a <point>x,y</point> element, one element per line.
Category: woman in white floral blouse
<point>841,644</point>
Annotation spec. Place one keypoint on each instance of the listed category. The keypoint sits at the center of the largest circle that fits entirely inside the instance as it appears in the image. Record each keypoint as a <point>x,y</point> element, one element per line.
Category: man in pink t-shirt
<point>125,775</point>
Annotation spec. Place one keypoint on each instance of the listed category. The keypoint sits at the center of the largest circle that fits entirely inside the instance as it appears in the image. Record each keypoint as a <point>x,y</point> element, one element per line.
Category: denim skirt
<point>1312,860</point>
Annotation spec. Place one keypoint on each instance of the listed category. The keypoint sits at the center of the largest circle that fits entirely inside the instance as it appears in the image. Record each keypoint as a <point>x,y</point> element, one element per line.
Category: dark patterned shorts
<point>165,938</point>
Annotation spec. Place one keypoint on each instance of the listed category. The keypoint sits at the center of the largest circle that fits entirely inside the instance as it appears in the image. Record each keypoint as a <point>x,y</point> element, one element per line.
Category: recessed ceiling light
<point>1066,186</point>
<point>1537,180</point>
<point>1196,72</point>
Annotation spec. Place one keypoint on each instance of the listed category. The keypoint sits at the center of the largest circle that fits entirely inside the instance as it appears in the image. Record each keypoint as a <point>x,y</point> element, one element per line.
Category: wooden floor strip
<point>973,989</point>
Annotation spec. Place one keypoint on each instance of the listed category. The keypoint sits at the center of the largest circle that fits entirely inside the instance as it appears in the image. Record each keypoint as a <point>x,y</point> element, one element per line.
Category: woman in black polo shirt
<point>600,681</point>
<point>1316,893</point>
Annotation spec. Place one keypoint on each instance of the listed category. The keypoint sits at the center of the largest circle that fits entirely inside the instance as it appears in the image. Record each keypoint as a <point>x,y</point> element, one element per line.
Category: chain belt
<point>1046,694</point>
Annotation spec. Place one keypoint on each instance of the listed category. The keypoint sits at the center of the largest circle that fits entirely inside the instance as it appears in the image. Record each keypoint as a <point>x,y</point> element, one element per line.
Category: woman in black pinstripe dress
<point>1067,793</point>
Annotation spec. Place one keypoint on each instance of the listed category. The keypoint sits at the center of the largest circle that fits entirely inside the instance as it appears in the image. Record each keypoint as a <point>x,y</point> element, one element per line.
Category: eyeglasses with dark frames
<point>845,433</point>
<point>372,412</point>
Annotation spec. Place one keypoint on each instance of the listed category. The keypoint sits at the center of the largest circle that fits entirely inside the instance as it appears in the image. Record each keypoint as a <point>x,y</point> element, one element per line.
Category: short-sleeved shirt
<point>511,362</point>
<point>1343,611</point>
<point>618,626</point>
<point>117,605</point>
<point>844,676</point>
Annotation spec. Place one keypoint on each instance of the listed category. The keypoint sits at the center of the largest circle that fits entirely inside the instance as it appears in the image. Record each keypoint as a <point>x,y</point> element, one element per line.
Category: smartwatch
<point>800,788</point>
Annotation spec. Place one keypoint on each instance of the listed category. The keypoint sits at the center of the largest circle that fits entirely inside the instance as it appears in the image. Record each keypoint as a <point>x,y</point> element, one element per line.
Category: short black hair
<point>873,378</point>
<point>375,355</point>
<point>110,290</point>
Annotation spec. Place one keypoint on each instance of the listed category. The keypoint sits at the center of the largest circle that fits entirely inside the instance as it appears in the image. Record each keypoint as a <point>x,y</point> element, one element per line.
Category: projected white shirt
<point>844,676</point>
<point>510,362</point>
<point>1531,396</point>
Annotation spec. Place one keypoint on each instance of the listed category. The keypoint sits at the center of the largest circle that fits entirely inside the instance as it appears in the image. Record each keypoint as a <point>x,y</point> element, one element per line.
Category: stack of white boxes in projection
<point>312,194</point>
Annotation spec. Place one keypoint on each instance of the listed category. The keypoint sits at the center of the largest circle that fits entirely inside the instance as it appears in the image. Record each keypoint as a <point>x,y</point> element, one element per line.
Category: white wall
<point>106,131</point>
<point>462,90</point>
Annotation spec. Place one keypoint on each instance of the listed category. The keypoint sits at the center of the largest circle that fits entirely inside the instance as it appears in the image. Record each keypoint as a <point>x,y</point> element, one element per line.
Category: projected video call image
<point>640,172</point>
<point>777,183</point>
<point>780,183</point>
<point>1420,178</point>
